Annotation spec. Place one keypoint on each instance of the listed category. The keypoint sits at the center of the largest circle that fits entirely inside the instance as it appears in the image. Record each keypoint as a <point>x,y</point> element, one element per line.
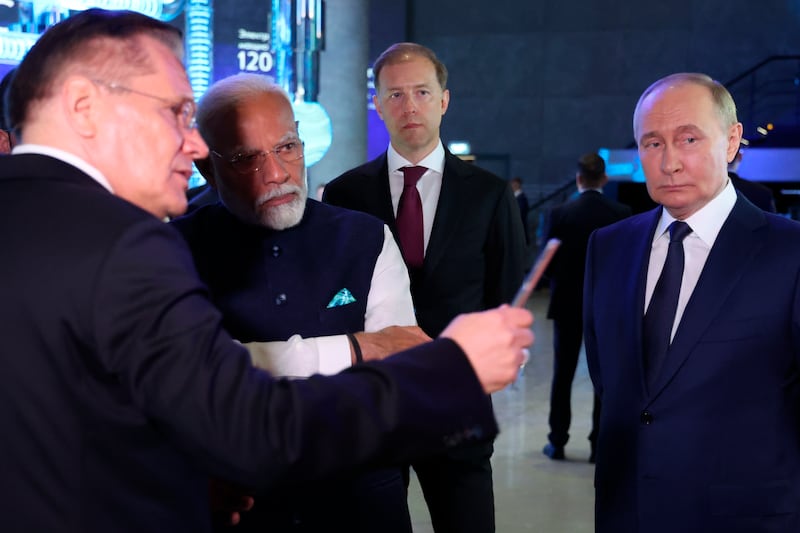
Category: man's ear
<point>734,140</point>
<point>80,99</point>
<point>377,102</point>
<point>445,100</point>
<point>206,168</point>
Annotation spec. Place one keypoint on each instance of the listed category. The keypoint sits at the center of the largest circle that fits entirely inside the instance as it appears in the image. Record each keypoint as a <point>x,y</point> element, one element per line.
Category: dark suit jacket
<point>476,254</point>
<point>715,445</point>
<point>524,207</point>
<point>120,392</point>
<point>572,223</point>
<point>758,194</point>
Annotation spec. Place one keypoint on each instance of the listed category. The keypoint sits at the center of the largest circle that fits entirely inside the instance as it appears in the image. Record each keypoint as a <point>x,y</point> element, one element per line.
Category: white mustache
<point>280,190</point>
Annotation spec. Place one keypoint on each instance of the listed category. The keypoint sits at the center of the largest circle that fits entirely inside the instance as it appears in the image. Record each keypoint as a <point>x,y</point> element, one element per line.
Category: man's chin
<point>179,209</point>
<point>283,216</point>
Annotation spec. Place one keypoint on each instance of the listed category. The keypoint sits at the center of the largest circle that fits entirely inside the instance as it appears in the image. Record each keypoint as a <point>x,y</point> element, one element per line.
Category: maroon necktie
<point>409,218</point>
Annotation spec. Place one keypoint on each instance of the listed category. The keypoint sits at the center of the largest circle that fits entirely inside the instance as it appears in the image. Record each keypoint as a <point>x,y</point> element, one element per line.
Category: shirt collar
<point>433,161</point>
<point>66,157</point>
<point>707,222</point>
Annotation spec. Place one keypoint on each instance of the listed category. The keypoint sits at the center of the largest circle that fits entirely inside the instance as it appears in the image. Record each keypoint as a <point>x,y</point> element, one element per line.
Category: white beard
<point>286,215</point>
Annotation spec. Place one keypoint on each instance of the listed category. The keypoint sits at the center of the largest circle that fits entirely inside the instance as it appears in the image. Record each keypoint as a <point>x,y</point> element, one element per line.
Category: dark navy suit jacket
<point>271,285</point>
<point>715,445</point>
<point>120,392</point>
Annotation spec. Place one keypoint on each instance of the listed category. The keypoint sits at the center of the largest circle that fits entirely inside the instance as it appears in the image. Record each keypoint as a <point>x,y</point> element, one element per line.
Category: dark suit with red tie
<point>474,260</point>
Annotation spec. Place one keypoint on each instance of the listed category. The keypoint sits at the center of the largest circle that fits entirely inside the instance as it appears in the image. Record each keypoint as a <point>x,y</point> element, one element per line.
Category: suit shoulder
<point>368,170</point>
<point>476,177</point>
<point>472,170</point>
<point>200,222</point>
<point>342,215</point>
<point>619,207</point>
<point>782,224</point>
<point>627,227</point>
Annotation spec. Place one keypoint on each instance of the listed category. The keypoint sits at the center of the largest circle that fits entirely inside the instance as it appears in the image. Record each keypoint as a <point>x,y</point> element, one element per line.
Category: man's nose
<point>670,160</point>
<point>194,144</point>
<point>273,170</point>
<point>409,105</point>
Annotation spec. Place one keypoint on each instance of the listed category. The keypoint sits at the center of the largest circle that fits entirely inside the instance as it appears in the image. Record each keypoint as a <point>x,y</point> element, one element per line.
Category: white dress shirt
<point>706,224</point>
<point>388,304</point>
<point>429,185</point>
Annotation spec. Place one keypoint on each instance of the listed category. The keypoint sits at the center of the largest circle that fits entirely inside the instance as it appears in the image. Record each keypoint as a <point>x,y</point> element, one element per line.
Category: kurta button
<point>280,299</point>
<point>646,418</point>
<point>276,250</point>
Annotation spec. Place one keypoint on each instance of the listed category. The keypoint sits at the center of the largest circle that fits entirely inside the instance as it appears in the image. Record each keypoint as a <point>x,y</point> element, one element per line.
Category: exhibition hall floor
<point>532,492</point>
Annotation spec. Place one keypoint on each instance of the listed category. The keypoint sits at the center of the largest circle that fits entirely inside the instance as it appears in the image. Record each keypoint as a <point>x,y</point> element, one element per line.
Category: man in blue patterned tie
<point>335,277</point>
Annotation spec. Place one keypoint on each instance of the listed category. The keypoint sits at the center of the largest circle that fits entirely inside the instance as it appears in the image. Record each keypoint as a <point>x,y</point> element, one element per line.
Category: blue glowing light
<point>315,129</point>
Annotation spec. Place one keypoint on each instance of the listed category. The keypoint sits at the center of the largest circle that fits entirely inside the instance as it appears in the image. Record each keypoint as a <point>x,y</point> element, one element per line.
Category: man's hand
<point>493,341</point>
<point>389,340</point>
<point>227,502</point>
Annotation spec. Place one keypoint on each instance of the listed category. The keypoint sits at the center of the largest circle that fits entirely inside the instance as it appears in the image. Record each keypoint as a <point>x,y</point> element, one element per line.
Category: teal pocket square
<point>343,297</point>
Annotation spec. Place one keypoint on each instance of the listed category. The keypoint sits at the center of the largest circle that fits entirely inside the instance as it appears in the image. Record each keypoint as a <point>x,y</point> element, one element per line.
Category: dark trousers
<point>567,338</point>
<point>458,490</point>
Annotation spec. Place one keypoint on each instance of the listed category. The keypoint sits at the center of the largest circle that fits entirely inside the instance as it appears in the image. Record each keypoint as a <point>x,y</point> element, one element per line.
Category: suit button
<point>276,251</point>
<point>646,418</point>
<point>280,299</point>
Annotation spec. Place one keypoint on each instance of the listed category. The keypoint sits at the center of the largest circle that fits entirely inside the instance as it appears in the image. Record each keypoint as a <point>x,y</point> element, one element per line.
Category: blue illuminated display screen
<point>221,40</point>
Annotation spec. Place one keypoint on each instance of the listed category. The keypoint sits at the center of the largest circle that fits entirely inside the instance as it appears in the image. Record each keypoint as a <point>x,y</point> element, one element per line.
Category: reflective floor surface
<point>532,492</point>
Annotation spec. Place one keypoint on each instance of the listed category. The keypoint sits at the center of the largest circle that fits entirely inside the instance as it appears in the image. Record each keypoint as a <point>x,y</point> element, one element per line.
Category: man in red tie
<point>460,232</point>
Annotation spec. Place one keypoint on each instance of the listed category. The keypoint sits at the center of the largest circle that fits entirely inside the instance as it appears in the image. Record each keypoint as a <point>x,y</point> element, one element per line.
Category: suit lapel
<point>737,245</point>
<point>377,194</point>
<point>449,210</point>
<point>640,254</point>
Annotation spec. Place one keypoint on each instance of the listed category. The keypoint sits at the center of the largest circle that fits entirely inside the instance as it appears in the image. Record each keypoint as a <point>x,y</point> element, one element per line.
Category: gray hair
<point>721,98</point>
<point>228,93</point>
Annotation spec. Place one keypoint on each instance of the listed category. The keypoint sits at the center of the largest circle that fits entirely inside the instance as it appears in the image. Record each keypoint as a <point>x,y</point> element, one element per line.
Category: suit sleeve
<point>550,231</point>
<point>589,336</point>
<point>505,252</point>
<point>162,340</point>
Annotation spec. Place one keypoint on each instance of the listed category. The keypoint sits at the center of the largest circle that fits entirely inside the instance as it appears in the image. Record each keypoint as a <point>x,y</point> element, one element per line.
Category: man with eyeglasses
<point>120,391</point>
<point>268,251</point>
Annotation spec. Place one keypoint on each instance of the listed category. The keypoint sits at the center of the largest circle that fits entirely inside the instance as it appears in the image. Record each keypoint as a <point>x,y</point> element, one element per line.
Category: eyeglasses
<point>185,110</point>
<point>253,162</point>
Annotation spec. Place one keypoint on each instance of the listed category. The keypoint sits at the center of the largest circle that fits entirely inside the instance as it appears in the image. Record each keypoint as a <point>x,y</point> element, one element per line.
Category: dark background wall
<point>542,82</point>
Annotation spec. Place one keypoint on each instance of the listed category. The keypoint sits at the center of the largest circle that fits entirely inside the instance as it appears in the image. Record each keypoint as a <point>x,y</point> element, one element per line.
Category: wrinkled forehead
<point>682,103</point>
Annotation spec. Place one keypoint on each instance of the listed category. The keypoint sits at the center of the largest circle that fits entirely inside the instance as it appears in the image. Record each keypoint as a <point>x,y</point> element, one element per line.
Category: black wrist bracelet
<point>356,347</point>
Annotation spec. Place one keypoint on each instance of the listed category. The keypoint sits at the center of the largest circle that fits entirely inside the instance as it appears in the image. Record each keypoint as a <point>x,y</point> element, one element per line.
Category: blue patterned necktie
<point>660,316</point>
